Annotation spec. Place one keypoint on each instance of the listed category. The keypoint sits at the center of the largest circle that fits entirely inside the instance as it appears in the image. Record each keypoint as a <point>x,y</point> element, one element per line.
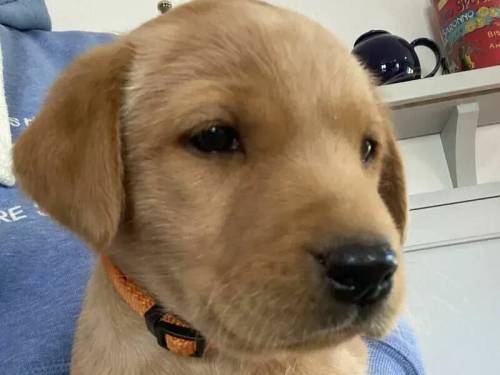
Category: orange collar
<point>171,332</point>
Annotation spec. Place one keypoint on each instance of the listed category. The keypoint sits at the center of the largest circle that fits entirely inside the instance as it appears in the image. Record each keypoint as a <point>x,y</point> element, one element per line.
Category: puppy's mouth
<point>300,313</point>
<point>370,321</point>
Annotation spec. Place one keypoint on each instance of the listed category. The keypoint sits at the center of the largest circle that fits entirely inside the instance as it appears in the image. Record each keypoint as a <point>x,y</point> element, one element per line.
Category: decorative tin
<point>471,32</point>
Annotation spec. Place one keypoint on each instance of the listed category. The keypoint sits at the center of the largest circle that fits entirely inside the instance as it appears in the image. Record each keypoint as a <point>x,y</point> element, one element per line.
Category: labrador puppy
<point>233,166</point>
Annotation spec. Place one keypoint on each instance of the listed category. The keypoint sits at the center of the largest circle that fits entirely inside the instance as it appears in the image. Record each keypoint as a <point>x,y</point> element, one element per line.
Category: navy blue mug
<point>392,59</point>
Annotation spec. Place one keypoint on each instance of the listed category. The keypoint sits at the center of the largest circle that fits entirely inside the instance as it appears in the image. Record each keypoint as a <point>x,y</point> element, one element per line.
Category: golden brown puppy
<point>234,161</point>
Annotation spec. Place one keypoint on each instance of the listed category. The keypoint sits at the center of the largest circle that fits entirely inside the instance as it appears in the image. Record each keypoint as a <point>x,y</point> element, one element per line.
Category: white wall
<point>100,15</point>
<point>348,19</point>
<point>426,166</point>
<point>488,154</point>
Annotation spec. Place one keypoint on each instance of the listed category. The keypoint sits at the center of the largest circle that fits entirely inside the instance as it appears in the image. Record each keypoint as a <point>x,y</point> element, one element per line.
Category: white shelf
<point>423,107</point>
<point>454,196</point>
<point>453,106</point>
<point>470,83</point>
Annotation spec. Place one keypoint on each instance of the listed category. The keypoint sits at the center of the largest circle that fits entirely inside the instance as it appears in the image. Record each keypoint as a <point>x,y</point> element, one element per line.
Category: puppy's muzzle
<point>358,273</point>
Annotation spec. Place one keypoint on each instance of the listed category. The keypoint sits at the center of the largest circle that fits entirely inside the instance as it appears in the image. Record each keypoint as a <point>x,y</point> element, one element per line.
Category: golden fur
<point>220,240</point>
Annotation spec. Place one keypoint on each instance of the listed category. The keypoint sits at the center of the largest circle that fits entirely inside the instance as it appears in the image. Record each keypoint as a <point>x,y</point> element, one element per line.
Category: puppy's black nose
<point>359,273</point>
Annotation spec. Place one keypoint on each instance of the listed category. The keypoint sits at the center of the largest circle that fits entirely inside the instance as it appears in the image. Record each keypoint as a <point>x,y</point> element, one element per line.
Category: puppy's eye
<point>368,150</point>
<point>217,139</point>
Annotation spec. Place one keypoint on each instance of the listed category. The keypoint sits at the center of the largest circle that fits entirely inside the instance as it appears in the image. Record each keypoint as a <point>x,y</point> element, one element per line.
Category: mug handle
<point>434,47</point>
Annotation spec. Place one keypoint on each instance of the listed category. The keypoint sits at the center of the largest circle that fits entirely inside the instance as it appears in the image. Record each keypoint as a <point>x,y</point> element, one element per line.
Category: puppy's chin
<point>269,347</point>
<point>258,344</point>
<point>274,349</point>
<point>377,322</point>
<point>372,322</point>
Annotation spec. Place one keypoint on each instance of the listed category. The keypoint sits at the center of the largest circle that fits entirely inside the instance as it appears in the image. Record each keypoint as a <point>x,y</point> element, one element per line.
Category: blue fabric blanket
<point>43,268</point>
<point>24,14</point>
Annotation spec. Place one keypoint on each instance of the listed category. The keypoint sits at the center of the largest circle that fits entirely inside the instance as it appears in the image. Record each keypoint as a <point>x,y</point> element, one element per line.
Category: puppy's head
<point>233,158</point>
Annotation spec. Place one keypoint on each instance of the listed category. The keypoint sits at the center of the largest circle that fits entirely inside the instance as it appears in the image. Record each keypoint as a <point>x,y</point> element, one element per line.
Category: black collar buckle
<point>160,329</point>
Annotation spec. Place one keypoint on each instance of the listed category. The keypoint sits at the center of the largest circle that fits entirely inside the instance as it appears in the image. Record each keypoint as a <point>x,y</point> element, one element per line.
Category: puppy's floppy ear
<point>392,186</point>
<point>69,161</point>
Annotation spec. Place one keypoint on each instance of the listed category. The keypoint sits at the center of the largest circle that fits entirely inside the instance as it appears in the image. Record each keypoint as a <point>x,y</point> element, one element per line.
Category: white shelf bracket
<point>459,143</point>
